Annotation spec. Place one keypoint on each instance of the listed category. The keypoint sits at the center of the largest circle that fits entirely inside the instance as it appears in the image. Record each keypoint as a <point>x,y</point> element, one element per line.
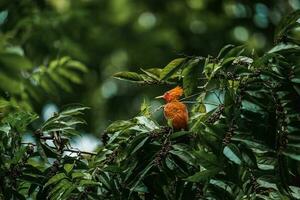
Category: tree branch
<point>68,150</point>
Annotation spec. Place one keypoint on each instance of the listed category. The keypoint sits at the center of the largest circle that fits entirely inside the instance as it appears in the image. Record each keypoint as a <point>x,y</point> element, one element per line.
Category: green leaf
<point>17,195</point>
<point>4,103</point>
<point>55,178</point>
<point>70,75</point>
<point>249,157</point>
<point>267,182</point>
<point>190,77</point>
<point>15,61</point>
<point>286,47</point>
<point>225,50</point>
<point>232,153</point>
<point>69,167</point>
<point>286,24</point>
<point>149,73</point>
<point>172,68</point>
<point>60,189</point>
<point>179,134</point>
<point>5,128</point>
<point>145,108</point>
<point>129,76</point>
<point>293,156</point>
<point>32,189</point>
<point>243,59</point>
<point>18,155</point>
<point>295,80</point>
<point>13,86</point>
<point>208,160</point>
<point>73,110</point>
<point>141,176</point>
<point>68,191</point>
<point>48,151</point>
<point>87,182</point>
<point>154,71</point>
<point>119,125</point>
<point>222,185</point>
<point>32,179</point>
<point>137,143</point>
<point>202,176</point>
<point>252,143</point>
<point>229,96</point>
<point>233,53</point>
<point>295,192</point>
<point>184,153</point>
<point>76,65</point>
<point>149,124</point>
<point>3,16</point>
<point>141,188</point>
<point>20,120</point>
<point>60,81</point>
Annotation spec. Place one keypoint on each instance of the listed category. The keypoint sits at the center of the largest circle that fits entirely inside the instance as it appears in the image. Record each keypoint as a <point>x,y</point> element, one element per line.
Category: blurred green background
<point>109,36</point>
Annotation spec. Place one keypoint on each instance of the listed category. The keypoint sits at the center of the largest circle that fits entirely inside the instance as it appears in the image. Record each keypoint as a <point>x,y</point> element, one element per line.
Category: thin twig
<point>69,150</point>
<point>190,96</point>
<point>213,104</point>
<point>46,137</point>
<point>80,152</point>
<point>187,102</point>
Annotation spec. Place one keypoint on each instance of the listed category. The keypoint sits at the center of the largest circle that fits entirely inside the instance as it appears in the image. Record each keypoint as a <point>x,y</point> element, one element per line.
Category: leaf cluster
<point>243,139</point>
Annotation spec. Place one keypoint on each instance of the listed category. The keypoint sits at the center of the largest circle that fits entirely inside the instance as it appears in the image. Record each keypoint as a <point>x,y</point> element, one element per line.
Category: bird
<point>175,111</point>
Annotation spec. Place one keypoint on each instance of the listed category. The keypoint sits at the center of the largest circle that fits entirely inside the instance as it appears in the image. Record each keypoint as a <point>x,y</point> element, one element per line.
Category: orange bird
<point>175,111</point>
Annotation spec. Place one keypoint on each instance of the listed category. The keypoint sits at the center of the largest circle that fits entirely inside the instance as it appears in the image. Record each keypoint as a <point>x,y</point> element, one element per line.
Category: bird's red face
<point>173,94</point>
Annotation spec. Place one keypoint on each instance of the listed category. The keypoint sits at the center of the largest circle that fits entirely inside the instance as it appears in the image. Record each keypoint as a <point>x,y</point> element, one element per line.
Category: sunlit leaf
<point>129,76</point>
<point>172,68</point>
<point>3,16</point>
<point>68,167</point>
<point>232,153</point>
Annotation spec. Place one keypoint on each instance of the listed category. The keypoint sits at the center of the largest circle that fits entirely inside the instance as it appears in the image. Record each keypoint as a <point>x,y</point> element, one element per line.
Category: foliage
<point>242,142</point>
<point>110,36</point>
<point>26,84</point>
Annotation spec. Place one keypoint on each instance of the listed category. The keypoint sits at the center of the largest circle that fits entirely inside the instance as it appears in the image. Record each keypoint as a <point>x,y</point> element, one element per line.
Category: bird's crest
<point>173,94</point>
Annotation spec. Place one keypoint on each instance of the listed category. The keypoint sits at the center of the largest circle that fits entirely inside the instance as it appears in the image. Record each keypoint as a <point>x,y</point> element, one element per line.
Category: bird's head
<point>172,95</point>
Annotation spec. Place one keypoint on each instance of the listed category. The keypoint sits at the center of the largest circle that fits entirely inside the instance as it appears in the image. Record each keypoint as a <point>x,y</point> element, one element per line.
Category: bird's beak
<point>160,97</point>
